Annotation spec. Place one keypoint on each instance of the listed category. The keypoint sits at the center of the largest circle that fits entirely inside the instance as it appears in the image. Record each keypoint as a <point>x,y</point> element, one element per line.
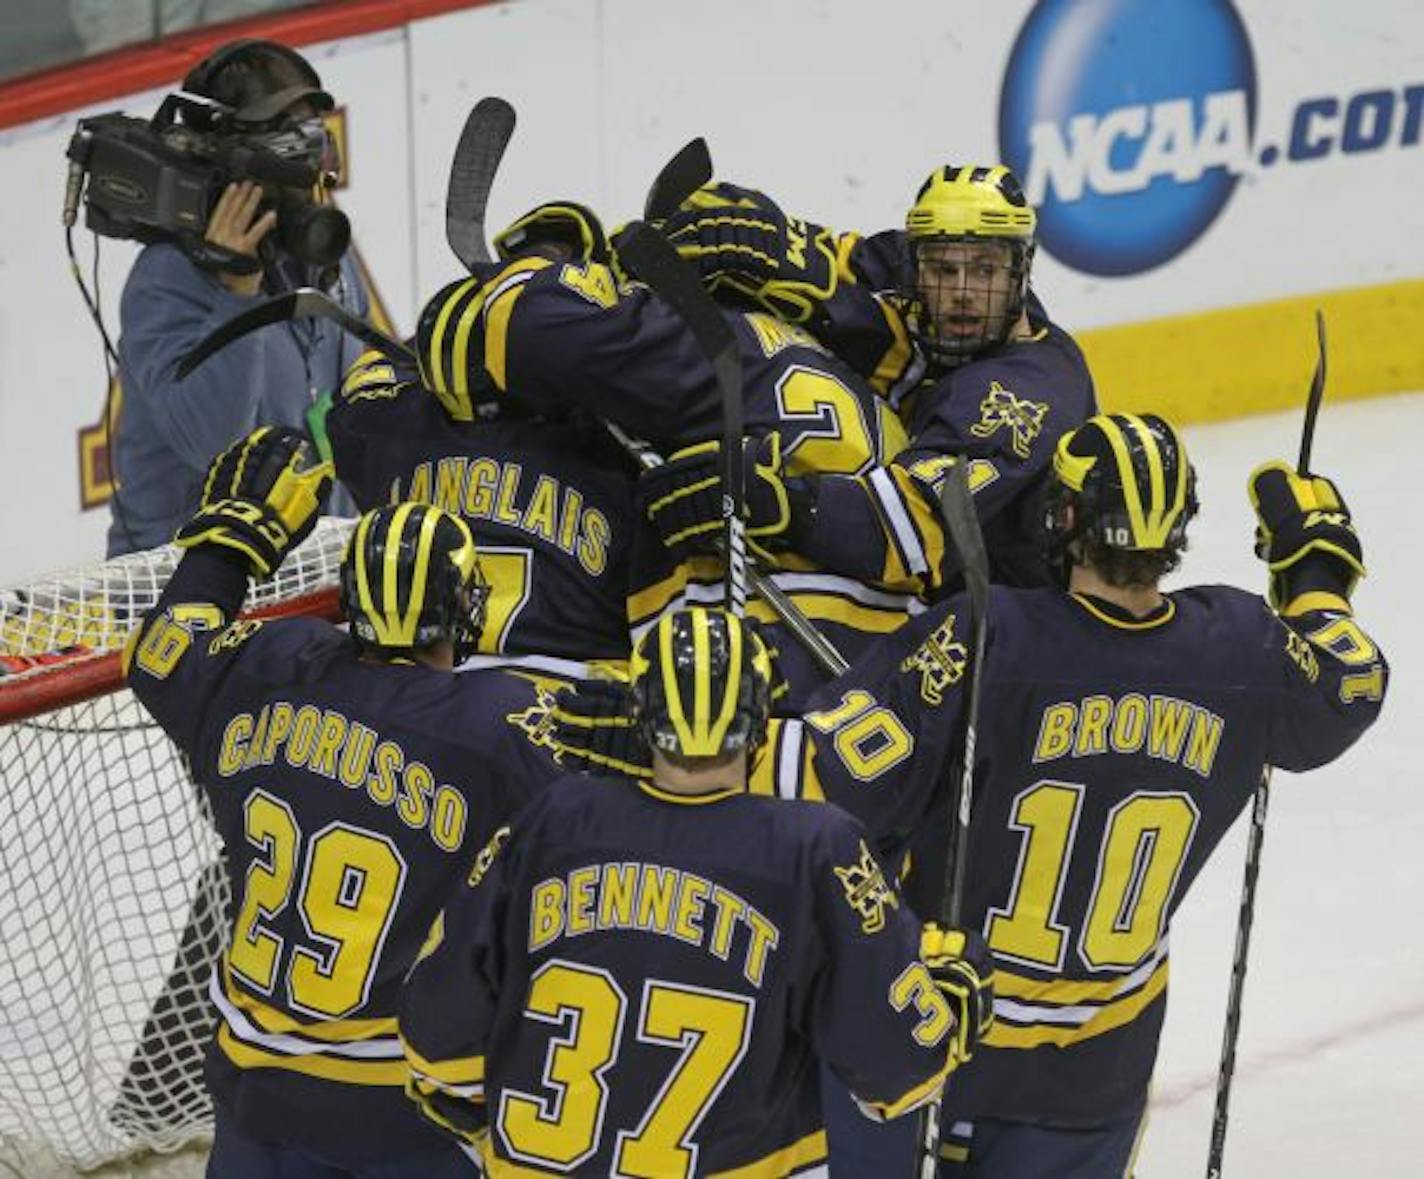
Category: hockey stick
<point>1244,918</point>
<point>957,506</point>
<point>651,259</point>
<point>802,628</point>
<point>1256,837</point>
<point>680,177</point>
<point>486,134</point>
<point>1317,394</point>
<point>305,302</point>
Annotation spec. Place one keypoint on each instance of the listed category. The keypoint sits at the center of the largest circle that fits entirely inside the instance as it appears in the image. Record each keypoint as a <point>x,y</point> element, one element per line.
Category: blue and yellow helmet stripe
<point>1142,475</point>
<point>691,673</point>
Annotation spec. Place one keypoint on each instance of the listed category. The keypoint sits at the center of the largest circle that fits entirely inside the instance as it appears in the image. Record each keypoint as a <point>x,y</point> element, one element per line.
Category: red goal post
<point>113,901</point>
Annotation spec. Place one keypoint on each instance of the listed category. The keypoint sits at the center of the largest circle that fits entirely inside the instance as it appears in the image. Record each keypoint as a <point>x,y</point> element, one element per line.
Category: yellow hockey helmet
<point>971,202</point>
<point>701,682</point>
<point>411,577</point>
<point>1129,481</point>
<point>970,248</point>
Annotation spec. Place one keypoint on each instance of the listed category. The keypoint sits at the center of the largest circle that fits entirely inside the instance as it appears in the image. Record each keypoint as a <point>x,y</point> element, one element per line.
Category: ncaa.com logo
<point>1130,123</point>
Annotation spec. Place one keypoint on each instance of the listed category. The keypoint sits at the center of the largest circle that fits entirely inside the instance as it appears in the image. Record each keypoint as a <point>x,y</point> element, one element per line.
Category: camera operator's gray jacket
<point>168,430</point>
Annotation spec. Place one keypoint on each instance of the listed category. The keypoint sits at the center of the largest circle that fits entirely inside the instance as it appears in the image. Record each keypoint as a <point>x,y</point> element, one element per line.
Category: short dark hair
<point>1129,568</point>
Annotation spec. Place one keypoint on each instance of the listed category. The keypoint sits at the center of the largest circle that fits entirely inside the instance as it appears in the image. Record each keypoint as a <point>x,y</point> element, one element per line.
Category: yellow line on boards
<point>1259,358</point>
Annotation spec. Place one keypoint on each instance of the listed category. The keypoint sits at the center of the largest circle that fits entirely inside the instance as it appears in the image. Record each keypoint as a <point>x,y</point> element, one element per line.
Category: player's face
<point>966,289</point>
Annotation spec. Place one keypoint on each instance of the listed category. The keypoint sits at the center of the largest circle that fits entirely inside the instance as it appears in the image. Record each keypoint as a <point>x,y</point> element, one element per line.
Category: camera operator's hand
<point>235,226</point>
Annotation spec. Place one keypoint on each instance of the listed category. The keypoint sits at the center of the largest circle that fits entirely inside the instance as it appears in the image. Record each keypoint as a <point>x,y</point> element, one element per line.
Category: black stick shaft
<point>1244,920</point>
<point>1257,836</point>
<point>957,504</point>
<point>1317,394</point>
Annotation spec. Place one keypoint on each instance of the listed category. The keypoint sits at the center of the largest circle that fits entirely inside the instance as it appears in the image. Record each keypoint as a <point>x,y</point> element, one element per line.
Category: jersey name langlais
<point>483,489</point>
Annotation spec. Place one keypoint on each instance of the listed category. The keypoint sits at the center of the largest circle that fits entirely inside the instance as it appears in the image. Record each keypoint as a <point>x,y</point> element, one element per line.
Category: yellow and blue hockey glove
<point>1306,537</point>
<point>262,497</point>
<point>962,967</point>
<point>573,230</point>
<point>594,731</point>
<point>740,240</point>
<point>682,499</point>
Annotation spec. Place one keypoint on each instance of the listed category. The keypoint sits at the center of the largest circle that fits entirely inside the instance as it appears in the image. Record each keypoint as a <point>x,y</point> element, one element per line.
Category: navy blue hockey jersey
<point>549,502</point>
<point>1113,754</point>
<point>549,335</point>
<point>641,983</point>
<point>351,797</point>
<point>1003,414</point>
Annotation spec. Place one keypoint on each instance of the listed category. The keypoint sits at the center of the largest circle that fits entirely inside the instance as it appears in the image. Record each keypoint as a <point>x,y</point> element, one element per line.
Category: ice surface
<point>1330,1066</point>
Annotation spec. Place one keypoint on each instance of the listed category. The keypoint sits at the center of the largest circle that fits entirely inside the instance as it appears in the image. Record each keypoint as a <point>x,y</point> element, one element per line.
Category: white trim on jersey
<point>551,664</point>
<point>902,527</point>
<point>376,1048</point>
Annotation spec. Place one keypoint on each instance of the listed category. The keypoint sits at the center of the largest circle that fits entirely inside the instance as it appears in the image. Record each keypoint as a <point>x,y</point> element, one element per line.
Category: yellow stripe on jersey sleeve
<point>465,1070</point>
<point>895,360</point>
<point>917,1096</point>
<point>423,1095</point>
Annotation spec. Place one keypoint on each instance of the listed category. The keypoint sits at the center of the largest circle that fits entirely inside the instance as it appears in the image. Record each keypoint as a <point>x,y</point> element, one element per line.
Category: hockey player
<point>549,332</point>
<point>548,498</point>
<point>1121,731</point>
<point>990,381</point>
<point>640,975</point>
<point>352,778</point>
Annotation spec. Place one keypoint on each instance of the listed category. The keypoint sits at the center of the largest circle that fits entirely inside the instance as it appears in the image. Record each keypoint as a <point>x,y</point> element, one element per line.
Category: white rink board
<point>838,109</point>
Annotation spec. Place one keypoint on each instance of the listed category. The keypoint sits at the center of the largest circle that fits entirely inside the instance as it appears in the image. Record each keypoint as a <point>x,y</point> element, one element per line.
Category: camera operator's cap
<point>258,79</point>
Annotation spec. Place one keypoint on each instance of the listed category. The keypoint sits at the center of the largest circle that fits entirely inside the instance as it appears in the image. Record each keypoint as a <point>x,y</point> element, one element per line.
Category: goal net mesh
<point>115,902</point>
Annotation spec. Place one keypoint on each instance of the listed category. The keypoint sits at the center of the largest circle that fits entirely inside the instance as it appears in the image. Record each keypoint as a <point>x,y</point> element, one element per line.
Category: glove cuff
<point>1313,600</point>
<point>1320,570</point>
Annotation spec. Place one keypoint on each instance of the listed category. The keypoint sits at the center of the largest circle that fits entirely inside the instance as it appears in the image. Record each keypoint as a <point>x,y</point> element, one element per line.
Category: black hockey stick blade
<point>1317,394</point>
<point>305,302</point>
<point>680,177</point>
<point>651,259</point>
<point>486,134</point>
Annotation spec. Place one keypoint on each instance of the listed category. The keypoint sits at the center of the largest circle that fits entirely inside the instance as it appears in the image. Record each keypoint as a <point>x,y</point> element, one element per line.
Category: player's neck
<point>675,779</point>
<point>439,656</point>
<point>1137,600</point>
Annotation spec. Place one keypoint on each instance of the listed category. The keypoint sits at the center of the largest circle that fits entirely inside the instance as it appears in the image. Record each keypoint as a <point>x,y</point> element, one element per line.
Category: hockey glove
<point>261,499</point>
<point>740,240</point>
<point>594,731</point>
<point>1305,536</point>
<point>573,229</point>
<point>960,963</point>
<point>682,499</point>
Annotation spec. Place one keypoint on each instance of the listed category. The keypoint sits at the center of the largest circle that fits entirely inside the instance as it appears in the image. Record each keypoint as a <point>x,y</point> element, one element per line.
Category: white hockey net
<point>113,900</point>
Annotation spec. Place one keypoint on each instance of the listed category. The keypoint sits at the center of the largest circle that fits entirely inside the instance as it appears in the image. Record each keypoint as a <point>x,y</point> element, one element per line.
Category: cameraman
<point>261,240</point>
